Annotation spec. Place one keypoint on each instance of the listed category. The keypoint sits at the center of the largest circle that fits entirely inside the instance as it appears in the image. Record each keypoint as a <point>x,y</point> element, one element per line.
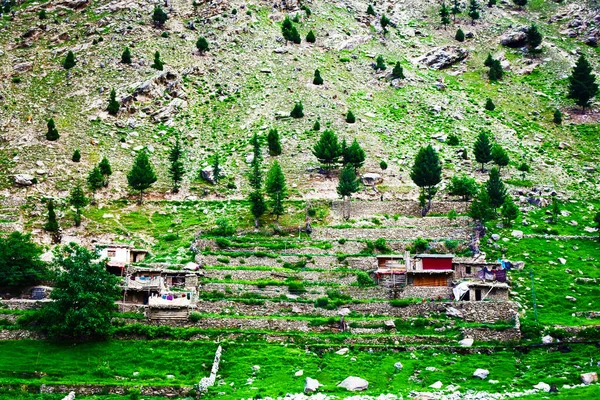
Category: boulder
<point>311,385</point>
<point>191,266</point>
<point>495,237</point>
<point>453,312</point>
<point>467,342</point>
<point>589,378</point>
<point>23,67</point>
<point>443,57</point>
<point>352,43</point>
<point>354,383</point>
<point>516,38</point>
<point>481,373</point>
<point>562,260</point>
<point>342,352</point>
<point>207,174</point>
<point>389,323</point>
<point>517,234</point>
<point>437,385</point>
<point>542,387</point>
<point>299,373</point>
<point>398,366</point>
<point>24,179</point>
<point>371,179</point>
<point>571,298</point>
<point>547,339</point>
<point>70,396</point>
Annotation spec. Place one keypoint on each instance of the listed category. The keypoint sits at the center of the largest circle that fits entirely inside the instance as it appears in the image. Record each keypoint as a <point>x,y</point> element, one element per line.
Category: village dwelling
<point>143,284</point>
<point>119,256</point>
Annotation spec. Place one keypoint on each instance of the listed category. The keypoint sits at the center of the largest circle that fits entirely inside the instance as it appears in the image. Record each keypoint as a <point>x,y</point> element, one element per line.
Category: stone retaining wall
<point>88,390</point>
<point>312,292</point>
<point>343,278</point>
<point>457,233</point>
<point>367,209</point>
<point>486,334</point>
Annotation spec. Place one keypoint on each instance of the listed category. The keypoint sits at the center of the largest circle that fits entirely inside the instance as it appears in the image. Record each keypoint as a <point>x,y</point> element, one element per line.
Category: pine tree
<point>463,186</point>
<point>495,189</point>
<point>480,207</point>
<point>380,63</point>
<point>455,10</point>
<point>105,170</point>
<point>274,142</point>
<point>216,169</point>
<point>276,188</point>
<point>310,37</point>
<point>555,211</point>
<point>534,38</point>
<point>289,31</point>
<point>489,105</point>
<point>347,186</point>
<point>350,118</point>
<point>523,168</point>
<point>500,156</point>
<point>354,155</point>
<point>370,10</point>
<point>159,17</point>
<point>557,118</point>
<point>582,83</point>
<point>383,165</point>
<point>257,206</point>
<point>298,110</point>
<point>141,176</point>
<point>255,174</point>
<point>78,200</point>
<point>520,3</point>
<point>460,35</point>
<point>202,45</point>
<point>489,61</point>
<point>51,224</point>
<point>306,10</point>
<point>474,11</point>
<point>344,152</point>
<point>317,126</point>
<point>444,15</point>
<point>42,14</point>
<point>483,149</point>
<point>76,156</point>
<point>95,181</point>
<point>69,60</point>
<point>126,56</point>
<point>496,72</point>
<point>327,150</point>
<point>176,170</point>
<point>426,172</point>
<point>384,21</point>
<point>317,80</point>
<point>509,211</point>
<point>113,104</point>
<point>158,64</point>
<point>52,133</point>
<point>398,72</point>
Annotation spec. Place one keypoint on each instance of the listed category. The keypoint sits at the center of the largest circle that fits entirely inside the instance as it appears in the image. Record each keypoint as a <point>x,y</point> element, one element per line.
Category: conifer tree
<point>310,37</point>
<point>347,186</point>
<point>113,104</point>
<point>370,10</point>
<point>202,45</point>
<point>141,176</point>
<point>257,206</point>
<point>491,3</point>
<point>384,21</point>
<point>216,169</point>
<point>344,152</point>
<point>444,15</point>
<point>105,170</point>
<point>78,200</point>
<point>509,211</point>
<point>496,72</point>
<point>274,142</point>
<point>317,80</point>
<point>460,35</point>
<point>42,14</point>
<point>52,133</point>
<point>534,38</point>
<point>489,61</point>
<point>317,126</point>
<point>289,31</point>
<point>483,149</point>
<point>276,189</point>
<point>69,60</point>
<point>582,83</point>
<point>159,17</point>
<point>495,189</point>
<point>489,105</point>
<point>298,110</point>
<point>380,63</point>
<point>126,56</point>
<point>76,156</point>
<point>176,170</point>
<point>350,118</point>
<point>474,11</point>
<point>463,186</point>
<point>455,10</point>
<point>426,172</point>
<point>354,155</point>
<point>51,224</point>
<point>557,117</point>
<point>158,64</point>
<point>383,165</point>
<point>555,211</point>
<point>398,72</point>
<point>327,150</point>
<point>255,175</point>
<point>500,156</point>
<point>95,181</point>
<point>480,207</point>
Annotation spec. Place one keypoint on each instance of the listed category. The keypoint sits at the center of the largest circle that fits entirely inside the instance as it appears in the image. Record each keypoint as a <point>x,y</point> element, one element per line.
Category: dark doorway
<point>477,294</point>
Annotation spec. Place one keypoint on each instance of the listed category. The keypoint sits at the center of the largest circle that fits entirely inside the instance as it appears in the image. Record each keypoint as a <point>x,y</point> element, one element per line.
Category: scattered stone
<point>495,237</point>
<point>589,378</point>
<point>516,38</point>
<point>562,260</point>
<point>571,298</point>
<point>371,179</point>
<point>481,373</point>
<point>70,396</point>
<point>517,234</point>
<point>437,385</point>
<point>311,385</point>
<point>431,369</point>
<point>547,339</point>
<point>543,387</point>
<point>398,366</point>
<point>256,368</point>
<point>389,323</point>
<point>170,376</point>
<point>207,174</point>
<point>442,57</point>
<point>24,179</point>
<point>299,373</point>
<point>23,67</point>
<point>467,342</point>
<point>354,383</point>
<point>453,312</point>
<point>342,352</point>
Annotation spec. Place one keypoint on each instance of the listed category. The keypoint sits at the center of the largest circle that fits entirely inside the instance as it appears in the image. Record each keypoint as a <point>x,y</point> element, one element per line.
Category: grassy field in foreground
<point>35,362</point>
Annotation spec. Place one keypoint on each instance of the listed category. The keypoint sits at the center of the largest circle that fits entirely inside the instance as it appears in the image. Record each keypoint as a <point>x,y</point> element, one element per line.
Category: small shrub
<point>403,302</point>
<point>380,245</point>
<point>341,240</point>
<point>363,279</point>
<point>383,165</point>
<point>224,228</point>
<point>135,394</point>
<point>453,140</point>
<point>452,214</point>
<point>460,35</point>
<point>322,302</point>
<point>419,245</point>
<point>195,316</point>
<point>295,287</point>
<point>489,105</point>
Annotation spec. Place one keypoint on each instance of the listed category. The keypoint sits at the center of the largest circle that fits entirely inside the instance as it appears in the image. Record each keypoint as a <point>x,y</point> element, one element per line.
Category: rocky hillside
<point>250,78</point>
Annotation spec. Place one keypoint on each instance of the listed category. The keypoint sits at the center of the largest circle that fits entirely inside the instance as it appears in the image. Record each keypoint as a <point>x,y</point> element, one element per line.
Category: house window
<point>468,270</point>
<point>112,253</point>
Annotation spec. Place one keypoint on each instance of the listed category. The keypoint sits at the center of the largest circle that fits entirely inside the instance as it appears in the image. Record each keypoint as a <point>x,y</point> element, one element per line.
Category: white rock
<point>517,234</point>
<point>481,373</point>
<point>24,179</point>
<point>354,383</point>
<point>398,365</point>
<point>311,385</point>
<point>342,352</point>
<point>256,367</point>
<point>544,387</point>
<point>299,373</point>
<point>562,260</point>
<point>70,396</point>
<point>437,385</point>
<point>495,237</point>
<point>467,342</point>
<point>547,339</point>
<point>344,311</point>
<point>589,378</point>
<point>430,369</point>
<point>571,298</point>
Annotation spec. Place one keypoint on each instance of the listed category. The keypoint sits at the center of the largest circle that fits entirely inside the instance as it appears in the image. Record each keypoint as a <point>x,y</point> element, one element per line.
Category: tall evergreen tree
<point>489,61</point>
<point>455,10</point>
<point>255,175</point>
<point>289,31</point>
<point>95,181</point>
<point>317,126</point>
<point>491,3</point>
<point>463,186</point>
<point>534,38</point>
<point>202,45</point>
<point>354,155</point>
<point>158,64</point>
<point>523,168</point>
<point>52,133</point>
<point>126,56</point>
<point>257,206</point>
<point>76,157</point>
<point>582,83</point>
<point>317,80</point>
<point>500,156</point>
<point>480,207</point>
<point>176,170</point>
<point>509,211</point>
<point>276,188</point>
<point>105,170</point>
<point>113,104</point>
<point>384,21</point>
<point>426,172</point>
<point>274,142</point>
<point>141,176</point>
<point>483,150</point>
<point>496,72</point>
<point>327,150</point>
<point>557,117</point>
<point>159,17</point>
<point>51,224</point>
<point>474,11</point>
<point>69,60</point>
<point>78,200</point>
<point>489,105</point>
<point>444,15</point>
<point>495,189</point>
<point>380,63</point>
<point>370,10</point>
<point>398,72</point>
<point>347,186</point>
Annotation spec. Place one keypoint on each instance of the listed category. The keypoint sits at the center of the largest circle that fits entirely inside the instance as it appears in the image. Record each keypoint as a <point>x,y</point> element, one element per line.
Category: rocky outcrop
<point>354,383</point>
<point>311,385</point>
<point>371,179</point>
<point>443,57</point>
<point>516,38</point>
<point>24,179</point>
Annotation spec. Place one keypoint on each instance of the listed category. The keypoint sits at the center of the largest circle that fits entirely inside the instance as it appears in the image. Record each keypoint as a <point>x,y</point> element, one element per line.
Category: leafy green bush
<point>296,287</point>
<point>403,302</point>
<point>295,266</point>
<point>224,228</point>
<point>381,246</point>
<point>530,329</point>
<point>419,245</point>
<point>363,279</point>
<point>195,316</point>
<point>322,302</point>
<point>135,394</point>
<point>223,243</point>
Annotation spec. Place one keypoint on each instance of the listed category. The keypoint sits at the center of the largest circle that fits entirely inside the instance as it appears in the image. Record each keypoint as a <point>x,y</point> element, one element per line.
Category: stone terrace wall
<point>307,276</point>
<point>485,334</point>
<point>313,292</point>
<point>367,209</point>
<point>320,262</point>
<point>443,232</point>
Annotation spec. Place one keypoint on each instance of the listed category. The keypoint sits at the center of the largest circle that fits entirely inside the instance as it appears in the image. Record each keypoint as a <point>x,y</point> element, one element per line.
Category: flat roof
<point>432,271</point>
<point>390,256</point>
<point>435,255</point>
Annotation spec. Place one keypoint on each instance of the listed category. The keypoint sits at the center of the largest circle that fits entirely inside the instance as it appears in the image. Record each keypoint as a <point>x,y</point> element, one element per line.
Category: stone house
<point>119,256</point>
